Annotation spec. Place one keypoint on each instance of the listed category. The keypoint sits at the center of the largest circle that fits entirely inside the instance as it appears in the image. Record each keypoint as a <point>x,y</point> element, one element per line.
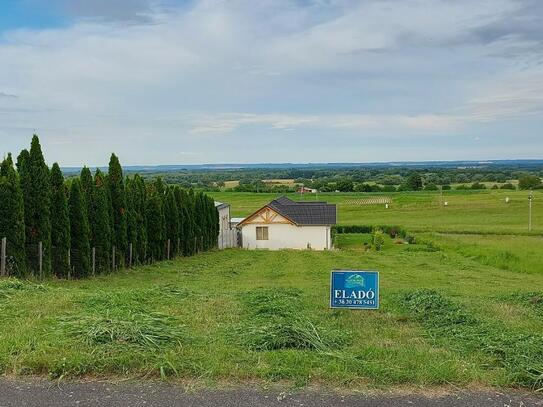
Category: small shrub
<point>410,239</point>
<point>378,240</point>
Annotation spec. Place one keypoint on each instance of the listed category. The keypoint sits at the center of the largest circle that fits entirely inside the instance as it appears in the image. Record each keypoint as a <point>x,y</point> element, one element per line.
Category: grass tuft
<point>532,300</point>
<point>519,354</point>
<point>274,322</point>
<point>145,330</point>
<point>10,286</point>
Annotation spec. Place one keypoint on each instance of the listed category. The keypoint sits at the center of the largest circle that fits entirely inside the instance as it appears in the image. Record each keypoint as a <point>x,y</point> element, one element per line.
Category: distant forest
<point>523,175</point>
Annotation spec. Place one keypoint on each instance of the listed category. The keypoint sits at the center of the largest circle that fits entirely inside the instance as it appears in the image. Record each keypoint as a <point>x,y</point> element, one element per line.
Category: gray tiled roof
<point>305,213</point>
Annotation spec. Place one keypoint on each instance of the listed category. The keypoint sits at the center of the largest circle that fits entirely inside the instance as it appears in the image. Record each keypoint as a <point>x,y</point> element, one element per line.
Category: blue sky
<point>214,81</point>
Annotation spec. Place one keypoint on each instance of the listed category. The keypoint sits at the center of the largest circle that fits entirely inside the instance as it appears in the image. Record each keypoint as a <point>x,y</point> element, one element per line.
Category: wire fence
<point>40,261</point>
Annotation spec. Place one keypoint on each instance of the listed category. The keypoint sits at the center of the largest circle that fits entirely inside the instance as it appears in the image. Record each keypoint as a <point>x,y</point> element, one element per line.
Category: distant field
<point>231,184</point>
<point>467,211</point>
<point>278,181</point>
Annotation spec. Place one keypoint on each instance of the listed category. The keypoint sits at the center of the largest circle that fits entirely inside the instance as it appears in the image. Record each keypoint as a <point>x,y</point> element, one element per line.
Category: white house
<point>286,224</point>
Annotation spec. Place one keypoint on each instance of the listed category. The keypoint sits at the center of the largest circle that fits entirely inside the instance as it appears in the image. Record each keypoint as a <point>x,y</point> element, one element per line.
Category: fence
<point>101,259</point>
<point>228,238</point>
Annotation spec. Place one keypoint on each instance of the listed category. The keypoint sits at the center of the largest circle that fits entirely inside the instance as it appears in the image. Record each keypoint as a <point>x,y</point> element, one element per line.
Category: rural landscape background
<point>461,280</point>
<point>127,127</point>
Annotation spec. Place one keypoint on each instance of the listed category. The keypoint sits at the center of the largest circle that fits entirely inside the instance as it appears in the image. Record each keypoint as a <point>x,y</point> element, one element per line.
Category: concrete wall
<point>285,236</point>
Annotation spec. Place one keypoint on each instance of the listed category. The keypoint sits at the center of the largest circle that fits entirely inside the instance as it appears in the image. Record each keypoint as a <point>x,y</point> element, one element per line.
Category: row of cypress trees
<point>121,217</point>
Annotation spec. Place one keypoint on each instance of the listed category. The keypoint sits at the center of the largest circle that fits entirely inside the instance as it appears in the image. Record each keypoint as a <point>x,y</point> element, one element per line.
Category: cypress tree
<point>155,227</point>
<point>100,220</point>
<point>171,215</point>
<point>60,227</point>
<point>79,232</point>
<point>139,205</point>
<point>12,222</point>
<point>118,204</point>
<point>181,216</point>
<point>87,186</point>
<point>131,216</point>
<point>212,222</point>
<point>36,187</point>
<point>192,234</point>
<point>198,221</point>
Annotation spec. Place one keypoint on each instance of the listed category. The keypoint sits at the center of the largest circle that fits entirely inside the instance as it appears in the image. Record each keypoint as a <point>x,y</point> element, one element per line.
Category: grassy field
<point>463,306</point>
<point>467,211</point>
<point>244,316</point>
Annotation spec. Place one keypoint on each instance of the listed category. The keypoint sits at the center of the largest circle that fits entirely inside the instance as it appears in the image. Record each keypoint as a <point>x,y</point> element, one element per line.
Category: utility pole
<point>530,199</point>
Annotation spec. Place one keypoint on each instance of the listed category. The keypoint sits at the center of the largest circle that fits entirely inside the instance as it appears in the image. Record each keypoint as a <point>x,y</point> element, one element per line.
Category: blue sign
<point>354,289</point>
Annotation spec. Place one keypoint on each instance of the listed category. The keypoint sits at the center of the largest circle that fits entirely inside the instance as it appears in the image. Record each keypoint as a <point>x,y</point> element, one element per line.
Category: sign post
<point>354,289</point>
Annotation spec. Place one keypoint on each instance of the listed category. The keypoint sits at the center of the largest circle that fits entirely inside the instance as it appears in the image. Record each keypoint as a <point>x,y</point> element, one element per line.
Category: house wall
<point>287,236</point>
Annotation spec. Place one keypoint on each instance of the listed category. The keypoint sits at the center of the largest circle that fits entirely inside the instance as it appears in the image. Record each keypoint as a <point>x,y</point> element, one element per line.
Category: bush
<point>378,240</point>
<point>508,185</point>
<point>352,229</point>
<point>477,185</point>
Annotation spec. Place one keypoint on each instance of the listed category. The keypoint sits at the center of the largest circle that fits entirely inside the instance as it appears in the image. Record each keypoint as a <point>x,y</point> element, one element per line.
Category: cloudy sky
<point>215,81</point>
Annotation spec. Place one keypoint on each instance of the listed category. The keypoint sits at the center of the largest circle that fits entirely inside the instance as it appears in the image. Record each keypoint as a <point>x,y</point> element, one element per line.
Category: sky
<point>244,81</point>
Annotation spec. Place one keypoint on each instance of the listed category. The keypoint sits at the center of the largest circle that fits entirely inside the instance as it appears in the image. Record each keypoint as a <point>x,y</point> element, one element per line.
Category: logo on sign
<point>354,289</point>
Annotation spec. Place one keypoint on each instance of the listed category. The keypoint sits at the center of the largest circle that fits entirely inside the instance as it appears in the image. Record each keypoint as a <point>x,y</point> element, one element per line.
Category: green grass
<point>244,316</point>
<point>262,316</point>
<point>520,254</point>
<point>518,353</point>
<point>467,211</point>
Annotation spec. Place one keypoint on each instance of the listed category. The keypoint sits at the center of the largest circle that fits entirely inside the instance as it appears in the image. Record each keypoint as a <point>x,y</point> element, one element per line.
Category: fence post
<point>178,246</point>
<point>94,261</point>
<point>40,255</point>
<point>113,259</point>
<point>130,255</point>
<point>3,259</point>
<point>169,243</point>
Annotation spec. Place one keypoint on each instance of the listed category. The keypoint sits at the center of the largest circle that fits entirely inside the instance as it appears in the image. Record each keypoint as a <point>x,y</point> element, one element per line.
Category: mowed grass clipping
<point>275,320</point>
<point>520,354</point>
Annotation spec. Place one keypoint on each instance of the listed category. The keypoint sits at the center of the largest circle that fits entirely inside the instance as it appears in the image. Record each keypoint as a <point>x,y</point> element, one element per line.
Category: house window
<point>261,233</point>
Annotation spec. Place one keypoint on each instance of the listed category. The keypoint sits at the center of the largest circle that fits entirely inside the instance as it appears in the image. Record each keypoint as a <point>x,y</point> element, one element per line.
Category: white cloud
<point>229,122</point>
<point>394,67</point>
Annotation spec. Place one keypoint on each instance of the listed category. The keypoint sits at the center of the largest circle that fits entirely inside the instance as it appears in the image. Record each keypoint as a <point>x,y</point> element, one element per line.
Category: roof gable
<point>300,213</point>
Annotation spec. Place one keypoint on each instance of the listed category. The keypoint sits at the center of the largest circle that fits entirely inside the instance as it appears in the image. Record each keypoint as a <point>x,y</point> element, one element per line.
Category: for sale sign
<point>354,289</point>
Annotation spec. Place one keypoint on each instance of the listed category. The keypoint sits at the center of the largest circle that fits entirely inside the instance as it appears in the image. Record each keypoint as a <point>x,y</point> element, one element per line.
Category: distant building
<point>286,224</point>
<point>305,190</point>
<point>235,221</point>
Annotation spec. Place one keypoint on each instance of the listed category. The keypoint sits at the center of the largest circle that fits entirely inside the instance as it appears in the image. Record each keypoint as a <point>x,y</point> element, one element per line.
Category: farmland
<point>467,211</point>
<point>201,319</point>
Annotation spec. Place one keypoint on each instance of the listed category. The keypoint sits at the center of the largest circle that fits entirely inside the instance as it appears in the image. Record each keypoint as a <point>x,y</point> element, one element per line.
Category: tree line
<point>387,177</point>
<point>95,222</point>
